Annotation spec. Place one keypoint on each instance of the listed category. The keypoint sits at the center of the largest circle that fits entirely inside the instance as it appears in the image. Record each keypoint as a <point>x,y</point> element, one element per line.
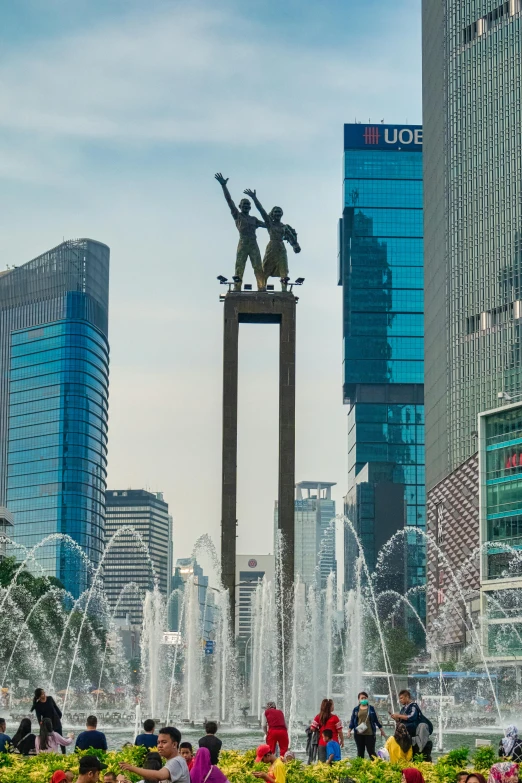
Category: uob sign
<point>403,137</point>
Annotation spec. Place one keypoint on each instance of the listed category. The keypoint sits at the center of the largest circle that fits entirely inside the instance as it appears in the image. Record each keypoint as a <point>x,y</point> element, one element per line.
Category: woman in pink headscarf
<point>203,771</point>
<point>503,772</point>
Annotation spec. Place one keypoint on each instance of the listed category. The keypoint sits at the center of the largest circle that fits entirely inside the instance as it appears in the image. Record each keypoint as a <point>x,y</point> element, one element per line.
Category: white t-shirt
<point>178,769</point>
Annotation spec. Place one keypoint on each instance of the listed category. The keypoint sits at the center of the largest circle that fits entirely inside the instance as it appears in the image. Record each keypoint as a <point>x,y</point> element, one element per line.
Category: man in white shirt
<point>175,769</point>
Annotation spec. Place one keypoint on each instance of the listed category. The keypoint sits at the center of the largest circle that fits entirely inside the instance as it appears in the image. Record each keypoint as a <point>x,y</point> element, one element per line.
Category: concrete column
<point>229,463</point>
<point>256,307</point>
<point>286,505</point>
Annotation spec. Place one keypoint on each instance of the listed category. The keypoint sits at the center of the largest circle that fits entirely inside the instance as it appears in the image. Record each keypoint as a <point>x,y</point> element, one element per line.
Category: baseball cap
<point>261,752</point>
<point>91,763</point>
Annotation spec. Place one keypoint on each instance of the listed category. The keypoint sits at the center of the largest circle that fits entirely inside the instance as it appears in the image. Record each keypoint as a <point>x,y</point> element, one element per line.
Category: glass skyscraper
<point>54,375</point>
<point>500,492</point>
<point>381,271</point>
<point>472,97</point>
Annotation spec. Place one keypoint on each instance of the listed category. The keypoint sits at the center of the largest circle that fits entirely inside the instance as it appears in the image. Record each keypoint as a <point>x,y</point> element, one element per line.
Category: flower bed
<point>238,767</point>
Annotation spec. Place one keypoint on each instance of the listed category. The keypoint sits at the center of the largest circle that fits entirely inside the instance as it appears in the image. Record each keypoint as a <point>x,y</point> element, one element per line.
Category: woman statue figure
<point>275,262</point>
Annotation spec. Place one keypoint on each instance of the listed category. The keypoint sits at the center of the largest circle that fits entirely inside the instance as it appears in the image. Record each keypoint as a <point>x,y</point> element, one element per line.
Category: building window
<point>440,522</point>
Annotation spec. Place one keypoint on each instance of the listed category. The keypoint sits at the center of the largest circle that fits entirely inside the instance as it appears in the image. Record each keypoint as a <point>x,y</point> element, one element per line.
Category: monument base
<point>263,308</point>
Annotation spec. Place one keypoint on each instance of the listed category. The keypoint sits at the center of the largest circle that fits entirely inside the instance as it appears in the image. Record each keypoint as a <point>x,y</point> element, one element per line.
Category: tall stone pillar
<point>270,308</point>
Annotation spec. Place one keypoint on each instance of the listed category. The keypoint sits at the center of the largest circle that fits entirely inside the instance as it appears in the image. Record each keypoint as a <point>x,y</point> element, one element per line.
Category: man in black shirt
<point>211,742</point>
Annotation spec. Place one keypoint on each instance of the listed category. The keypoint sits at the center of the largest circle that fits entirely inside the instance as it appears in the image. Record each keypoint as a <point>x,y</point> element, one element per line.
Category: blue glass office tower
<point>54,373</point>
<point>381,271</point>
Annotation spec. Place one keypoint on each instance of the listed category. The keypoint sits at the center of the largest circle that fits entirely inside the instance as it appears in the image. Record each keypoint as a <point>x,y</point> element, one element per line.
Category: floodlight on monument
<point>285,280</point>
<point>248,286</point>
<point>222,280</point>
<point>299,281</point>
<point>237,279</point>
<point>270,288</point>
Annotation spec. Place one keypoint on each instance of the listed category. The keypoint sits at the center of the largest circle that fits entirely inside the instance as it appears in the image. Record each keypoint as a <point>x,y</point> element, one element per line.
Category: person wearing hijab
<point>203,771</point>
<point>510,745</point>
<point>274,725</point>
<point>412,775</point>
<point>399,746</point>
<point>503,772</point>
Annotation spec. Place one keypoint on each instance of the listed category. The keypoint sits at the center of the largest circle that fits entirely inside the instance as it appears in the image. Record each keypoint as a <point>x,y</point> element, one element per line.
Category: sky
<point>114,117</point>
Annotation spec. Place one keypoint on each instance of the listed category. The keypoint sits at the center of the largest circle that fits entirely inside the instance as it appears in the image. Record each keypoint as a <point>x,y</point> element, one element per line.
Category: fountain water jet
<point>154,623</point>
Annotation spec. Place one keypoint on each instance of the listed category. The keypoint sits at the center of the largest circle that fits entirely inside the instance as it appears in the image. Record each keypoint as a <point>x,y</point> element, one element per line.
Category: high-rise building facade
<point>250,571</point>
<point>500,493</point>
<point>185,568</point>
<point>381,271</point>
<point>54,376</point>
<point>314,547</point>
<point>136,559</point>
<point>473,184</point>
<point>473,215</point>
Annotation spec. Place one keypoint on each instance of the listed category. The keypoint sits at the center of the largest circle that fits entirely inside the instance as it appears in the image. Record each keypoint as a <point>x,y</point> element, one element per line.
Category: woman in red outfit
<point>276,732</point>
<point>327,720</point>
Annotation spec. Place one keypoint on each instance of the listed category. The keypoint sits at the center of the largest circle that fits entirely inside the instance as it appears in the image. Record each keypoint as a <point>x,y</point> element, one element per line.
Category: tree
<point>400,648</point>
<point>40,627</point>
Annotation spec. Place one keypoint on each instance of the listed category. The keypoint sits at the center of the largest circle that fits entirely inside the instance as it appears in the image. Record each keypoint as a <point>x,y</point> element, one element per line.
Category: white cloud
<point>83,126</point>
<point>185,73</point>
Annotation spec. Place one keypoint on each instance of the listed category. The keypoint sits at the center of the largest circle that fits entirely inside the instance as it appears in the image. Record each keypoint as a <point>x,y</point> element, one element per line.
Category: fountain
<point>332,643</point>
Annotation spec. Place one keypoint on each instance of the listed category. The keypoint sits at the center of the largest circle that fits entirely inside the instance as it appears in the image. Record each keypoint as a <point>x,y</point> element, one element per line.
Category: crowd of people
<point>170,759</point>
<point>411,736</point>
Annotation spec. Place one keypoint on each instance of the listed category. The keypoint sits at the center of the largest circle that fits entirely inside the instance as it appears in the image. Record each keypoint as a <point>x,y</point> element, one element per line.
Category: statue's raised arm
<point>247,226</point>
<point>260,208</point>
<point>223,182</point>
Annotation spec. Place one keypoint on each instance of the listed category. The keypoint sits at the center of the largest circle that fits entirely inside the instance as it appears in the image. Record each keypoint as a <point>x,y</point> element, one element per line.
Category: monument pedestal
<point>262,308</point>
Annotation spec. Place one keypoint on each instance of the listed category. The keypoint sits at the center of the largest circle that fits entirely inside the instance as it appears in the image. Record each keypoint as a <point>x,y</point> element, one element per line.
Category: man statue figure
<point>247,247</point>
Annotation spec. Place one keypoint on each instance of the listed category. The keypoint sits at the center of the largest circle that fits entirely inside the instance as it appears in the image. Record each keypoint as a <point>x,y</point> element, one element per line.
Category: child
<point>187,752</point>
<point>333,749</point>
<point>277,770</point>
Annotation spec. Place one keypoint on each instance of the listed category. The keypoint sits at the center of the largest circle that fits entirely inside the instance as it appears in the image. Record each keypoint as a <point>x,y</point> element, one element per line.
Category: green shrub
<point>456,758</point>
<point>238,767</point>
<point>485,757</point>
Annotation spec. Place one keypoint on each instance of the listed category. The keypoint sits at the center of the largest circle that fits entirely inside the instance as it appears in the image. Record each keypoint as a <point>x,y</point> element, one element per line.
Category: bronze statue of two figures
<point>275,262</point>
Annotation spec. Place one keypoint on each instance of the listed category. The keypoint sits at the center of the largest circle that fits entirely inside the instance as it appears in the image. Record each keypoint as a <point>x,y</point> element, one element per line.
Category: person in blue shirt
<point>5,739</point>
<point>91,738</point>
<point>148,738</point>
<point>333,749</point>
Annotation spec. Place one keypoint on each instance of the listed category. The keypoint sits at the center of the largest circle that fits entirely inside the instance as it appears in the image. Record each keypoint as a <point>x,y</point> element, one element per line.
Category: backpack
<point>424,719</point>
